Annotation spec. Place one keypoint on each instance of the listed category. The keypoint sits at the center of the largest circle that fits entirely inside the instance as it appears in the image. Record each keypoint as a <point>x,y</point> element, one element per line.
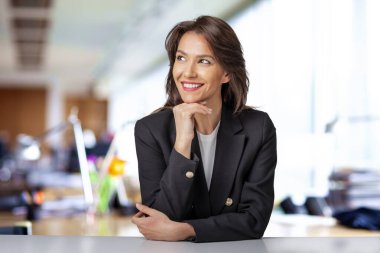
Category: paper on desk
<point>303,220</point>
<point>55,179</point>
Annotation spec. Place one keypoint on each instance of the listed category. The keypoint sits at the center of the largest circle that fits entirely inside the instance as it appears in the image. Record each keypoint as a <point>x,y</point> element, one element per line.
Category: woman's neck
<point>205,124</point>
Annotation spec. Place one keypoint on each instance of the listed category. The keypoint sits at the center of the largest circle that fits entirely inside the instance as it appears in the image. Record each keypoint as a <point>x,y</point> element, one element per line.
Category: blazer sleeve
<point>256,203</point>
<point>164,187</point>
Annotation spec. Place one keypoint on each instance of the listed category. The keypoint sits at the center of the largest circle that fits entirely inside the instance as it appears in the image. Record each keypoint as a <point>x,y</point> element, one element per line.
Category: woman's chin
<point>191,100</point>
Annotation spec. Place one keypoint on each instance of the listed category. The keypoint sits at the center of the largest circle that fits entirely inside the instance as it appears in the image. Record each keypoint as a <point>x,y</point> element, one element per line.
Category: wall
<point>92,113</point>
<point>22,110</point>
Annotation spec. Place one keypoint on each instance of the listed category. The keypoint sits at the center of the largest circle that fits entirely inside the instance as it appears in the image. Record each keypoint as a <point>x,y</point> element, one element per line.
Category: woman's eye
<point>180,58</point>
<point>204,61</point>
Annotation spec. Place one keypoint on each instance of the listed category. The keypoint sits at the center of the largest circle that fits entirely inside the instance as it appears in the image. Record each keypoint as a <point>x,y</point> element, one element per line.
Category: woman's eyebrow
<point>182,52</point>
<point>198,56</point>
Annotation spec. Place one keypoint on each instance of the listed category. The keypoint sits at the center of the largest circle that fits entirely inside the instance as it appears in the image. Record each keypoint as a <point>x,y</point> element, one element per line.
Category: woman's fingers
<point>188,110</point>
<point>147,210</point>
<point>136,217</point>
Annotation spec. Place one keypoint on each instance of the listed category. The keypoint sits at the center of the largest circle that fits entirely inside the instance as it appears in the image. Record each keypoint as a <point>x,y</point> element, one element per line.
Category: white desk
<point>63,244</point>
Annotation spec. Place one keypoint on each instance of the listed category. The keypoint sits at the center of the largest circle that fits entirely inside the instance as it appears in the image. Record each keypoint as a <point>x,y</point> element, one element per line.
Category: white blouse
<point>207,145</point>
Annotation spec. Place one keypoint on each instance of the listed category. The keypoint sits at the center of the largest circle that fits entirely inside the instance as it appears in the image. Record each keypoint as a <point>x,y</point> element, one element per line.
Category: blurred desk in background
<point>118,225</point>
<point>78,225</point>
<point>299,225</point>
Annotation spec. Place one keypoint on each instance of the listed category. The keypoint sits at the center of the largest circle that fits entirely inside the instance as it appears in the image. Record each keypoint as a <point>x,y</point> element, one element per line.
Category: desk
<point>63,244</point>
<point>78,225</point>
<point>116,225</point>
<point>311,226</point>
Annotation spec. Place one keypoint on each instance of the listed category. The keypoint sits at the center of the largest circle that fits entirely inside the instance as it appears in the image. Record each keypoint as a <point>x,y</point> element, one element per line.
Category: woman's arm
<point>168,187</point>
<point>164,187</point>
<point>155,225</point>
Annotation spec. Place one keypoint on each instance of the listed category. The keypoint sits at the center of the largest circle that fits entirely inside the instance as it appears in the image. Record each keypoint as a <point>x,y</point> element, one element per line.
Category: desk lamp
<point>29,149</point>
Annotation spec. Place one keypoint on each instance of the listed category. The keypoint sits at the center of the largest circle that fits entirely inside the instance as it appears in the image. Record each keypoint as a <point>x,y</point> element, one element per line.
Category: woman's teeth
<point>191,85</point>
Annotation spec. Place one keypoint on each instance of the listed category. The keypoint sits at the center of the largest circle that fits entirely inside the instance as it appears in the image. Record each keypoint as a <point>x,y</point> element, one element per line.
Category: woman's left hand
<point>155,225</point>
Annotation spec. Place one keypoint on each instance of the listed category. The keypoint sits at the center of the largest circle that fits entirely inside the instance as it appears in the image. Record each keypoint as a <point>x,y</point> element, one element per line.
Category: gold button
<point>229,202</point>
<point>189,174</point>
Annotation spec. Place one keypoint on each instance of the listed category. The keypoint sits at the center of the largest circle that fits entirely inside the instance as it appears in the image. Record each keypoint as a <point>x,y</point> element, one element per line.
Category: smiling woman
<point>206,160</point>
<point>198,76</point>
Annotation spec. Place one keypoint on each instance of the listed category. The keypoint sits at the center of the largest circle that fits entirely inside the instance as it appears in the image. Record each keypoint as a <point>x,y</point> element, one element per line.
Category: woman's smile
<point>191,86</point>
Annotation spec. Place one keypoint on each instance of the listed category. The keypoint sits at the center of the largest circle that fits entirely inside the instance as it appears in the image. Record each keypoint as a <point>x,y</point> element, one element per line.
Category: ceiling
<point>75,43</point>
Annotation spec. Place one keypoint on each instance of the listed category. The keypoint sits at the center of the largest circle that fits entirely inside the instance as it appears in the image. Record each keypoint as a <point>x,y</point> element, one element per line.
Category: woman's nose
<point>190,70</point>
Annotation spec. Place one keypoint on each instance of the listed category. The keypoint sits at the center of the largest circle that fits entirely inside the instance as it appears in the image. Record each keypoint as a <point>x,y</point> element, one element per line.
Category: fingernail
<point>138,205</point>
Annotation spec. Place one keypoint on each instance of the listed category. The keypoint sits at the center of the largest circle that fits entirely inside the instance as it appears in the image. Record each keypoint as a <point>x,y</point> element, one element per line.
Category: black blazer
<point>240,200</point>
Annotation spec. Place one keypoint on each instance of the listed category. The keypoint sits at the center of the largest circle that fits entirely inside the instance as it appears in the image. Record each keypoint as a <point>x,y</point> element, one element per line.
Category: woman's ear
<point>226,78</point>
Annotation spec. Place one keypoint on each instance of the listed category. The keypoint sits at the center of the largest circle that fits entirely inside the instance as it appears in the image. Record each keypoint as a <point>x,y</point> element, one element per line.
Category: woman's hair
<point>228,52</point>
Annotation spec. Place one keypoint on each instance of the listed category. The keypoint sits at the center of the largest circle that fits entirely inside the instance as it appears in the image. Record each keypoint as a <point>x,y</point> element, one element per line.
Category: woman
<point>206,161</point>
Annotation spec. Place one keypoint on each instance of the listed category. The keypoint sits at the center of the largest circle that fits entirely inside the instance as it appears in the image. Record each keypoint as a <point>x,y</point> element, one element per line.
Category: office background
<point>313,66</point>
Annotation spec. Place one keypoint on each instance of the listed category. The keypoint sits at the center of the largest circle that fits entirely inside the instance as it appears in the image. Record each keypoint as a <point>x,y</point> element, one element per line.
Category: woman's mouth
<point>191,86</point>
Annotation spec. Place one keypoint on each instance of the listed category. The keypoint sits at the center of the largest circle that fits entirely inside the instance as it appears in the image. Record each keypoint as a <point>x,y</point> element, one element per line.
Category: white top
<point>207,144</point>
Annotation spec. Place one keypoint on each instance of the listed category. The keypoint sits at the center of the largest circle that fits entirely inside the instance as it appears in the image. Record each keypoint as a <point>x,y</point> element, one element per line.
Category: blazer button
<point>229,202</point>
<point>189,174</point>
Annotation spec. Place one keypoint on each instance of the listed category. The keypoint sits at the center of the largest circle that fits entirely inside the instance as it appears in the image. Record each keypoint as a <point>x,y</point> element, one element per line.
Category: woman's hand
<point>155,225</point>
<point>184,122</point>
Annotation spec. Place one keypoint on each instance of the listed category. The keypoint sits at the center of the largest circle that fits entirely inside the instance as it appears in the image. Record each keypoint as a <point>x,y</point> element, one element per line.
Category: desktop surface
<point>94,244</point>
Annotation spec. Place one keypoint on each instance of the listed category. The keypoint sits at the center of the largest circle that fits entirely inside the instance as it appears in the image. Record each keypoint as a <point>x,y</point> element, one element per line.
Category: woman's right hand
<point>184,121</point>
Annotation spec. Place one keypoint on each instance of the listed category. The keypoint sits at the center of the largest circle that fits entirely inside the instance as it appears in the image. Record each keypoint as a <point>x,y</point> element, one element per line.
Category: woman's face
<point>197,74</point>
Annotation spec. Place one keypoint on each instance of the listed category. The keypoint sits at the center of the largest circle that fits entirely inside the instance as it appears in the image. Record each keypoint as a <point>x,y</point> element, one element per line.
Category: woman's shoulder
<point>254,116</point>
<point>253,113</point>
<point>156,118</point>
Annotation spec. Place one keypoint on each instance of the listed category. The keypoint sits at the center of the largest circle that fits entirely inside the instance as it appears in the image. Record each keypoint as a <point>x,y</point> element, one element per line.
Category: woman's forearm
<point>183,147</point>
<point>184,230</point>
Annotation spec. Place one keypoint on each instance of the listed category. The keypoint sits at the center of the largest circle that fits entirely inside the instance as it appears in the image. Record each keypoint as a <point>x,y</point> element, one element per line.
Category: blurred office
<point>313,66</point>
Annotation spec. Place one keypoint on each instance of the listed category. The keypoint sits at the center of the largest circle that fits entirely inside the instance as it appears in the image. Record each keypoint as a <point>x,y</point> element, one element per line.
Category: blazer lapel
<point>229,148</point>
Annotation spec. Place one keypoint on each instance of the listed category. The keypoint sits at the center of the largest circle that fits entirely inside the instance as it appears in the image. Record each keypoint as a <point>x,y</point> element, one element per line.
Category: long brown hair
<point>228,52</point>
